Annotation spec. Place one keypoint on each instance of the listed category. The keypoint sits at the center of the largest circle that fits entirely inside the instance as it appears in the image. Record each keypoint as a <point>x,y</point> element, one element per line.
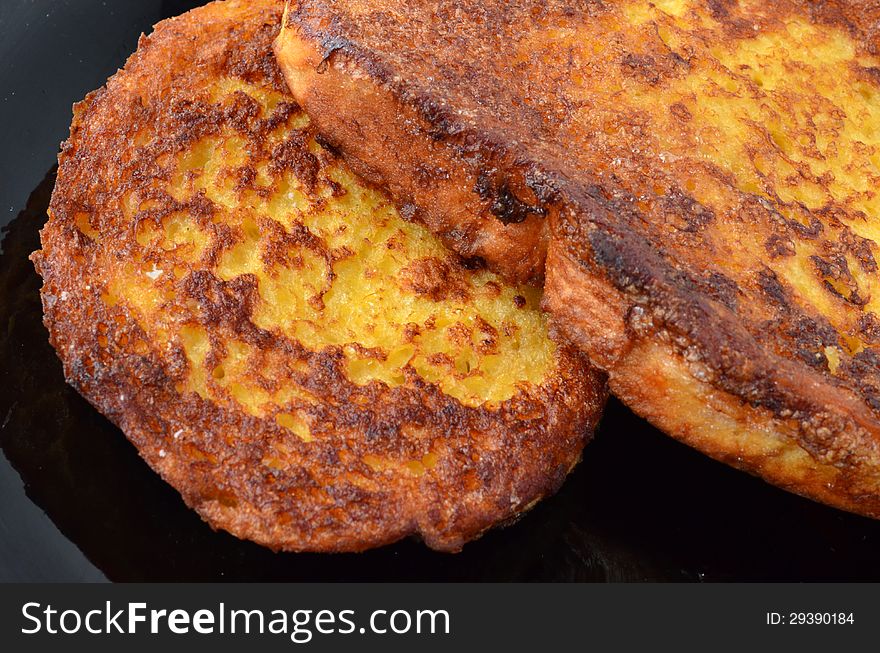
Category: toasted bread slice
<point>706,174</point>
<point>310,370</point>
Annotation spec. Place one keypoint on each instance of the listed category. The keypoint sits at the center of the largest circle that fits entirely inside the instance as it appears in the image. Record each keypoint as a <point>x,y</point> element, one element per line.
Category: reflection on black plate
<point>640,506</point>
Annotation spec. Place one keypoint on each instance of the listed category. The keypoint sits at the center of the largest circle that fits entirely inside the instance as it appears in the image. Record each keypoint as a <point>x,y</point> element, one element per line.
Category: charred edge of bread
<point>482,198</point>
<point>679,362</point>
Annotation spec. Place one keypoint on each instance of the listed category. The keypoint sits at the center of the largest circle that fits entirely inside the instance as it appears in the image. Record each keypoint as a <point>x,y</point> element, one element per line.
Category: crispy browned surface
<point>707,172</point>
<point>307,368</point>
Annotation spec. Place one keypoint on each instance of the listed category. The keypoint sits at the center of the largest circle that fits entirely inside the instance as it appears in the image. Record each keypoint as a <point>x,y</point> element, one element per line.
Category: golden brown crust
<point>156,307</point>
<point>707,171</point>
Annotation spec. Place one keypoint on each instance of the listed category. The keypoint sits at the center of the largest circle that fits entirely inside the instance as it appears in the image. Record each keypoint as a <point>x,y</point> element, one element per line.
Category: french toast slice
<point>306,367</point>
<point>703,176</point>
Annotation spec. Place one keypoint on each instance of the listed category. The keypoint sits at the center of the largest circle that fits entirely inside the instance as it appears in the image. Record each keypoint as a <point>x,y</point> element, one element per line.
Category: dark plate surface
<point>79,504</point>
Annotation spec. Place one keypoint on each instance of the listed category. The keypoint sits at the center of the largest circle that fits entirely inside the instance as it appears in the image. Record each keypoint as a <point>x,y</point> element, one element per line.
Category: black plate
<point>79,504</point>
